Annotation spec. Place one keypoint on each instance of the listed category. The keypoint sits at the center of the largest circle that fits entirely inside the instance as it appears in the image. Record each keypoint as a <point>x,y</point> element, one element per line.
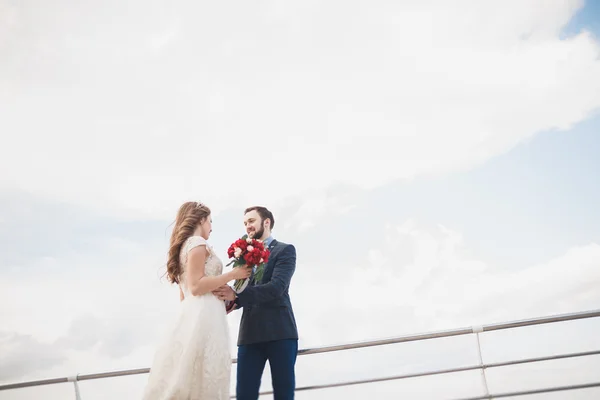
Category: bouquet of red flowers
<point>249,252</point>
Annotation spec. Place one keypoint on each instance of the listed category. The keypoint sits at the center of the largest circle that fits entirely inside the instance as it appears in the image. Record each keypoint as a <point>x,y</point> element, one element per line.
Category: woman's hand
<point>241,272</point>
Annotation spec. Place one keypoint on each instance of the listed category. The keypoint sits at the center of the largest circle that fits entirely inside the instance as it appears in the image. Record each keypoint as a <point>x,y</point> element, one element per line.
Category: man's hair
<point>263,212</point>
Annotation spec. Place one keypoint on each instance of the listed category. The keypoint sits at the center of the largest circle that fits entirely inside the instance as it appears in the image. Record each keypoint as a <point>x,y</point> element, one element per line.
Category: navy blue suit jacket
<point>267,309</point>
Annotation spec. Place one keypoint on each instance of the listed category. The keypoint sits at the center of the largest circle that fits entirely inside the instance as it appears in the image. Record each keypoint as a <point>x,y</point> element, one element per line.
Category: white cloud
<point>390,91</point>
<point>303,213</point>
<point>429,279</point>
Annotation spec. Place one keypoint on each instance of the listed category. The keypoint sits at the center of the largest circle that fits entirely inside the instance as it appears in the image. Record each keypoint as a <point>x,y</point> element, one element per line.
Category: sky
<point>434,164</point>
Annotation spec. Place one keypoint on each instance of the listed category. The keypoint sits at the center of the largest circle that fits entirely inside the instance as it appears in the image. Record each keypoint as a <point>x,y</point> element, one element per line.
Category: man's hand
<point>225,292</point>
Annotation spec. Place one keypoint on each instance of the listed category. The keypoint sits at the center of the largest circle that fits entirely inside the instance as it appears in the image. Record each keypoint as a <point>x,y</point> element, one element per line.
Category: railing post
<point>76,384</point>
<point>477,330</point>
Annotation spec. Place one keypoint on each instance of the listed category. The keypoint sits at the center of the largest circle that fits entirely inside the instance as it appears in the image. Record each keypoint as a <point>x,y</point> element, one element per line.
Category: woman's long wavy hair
<point>189,216</point>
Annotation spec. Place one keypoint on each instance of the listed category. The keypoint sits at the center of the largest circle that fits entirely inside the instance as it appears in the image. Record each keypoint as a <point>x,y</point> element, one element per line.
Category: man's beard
<point>259,233</point>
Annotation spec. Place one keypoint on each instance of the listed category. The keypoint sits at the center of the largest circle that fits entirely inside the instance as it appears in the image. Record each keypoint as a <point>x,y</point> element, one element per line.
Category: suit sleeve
<point>280,280</point>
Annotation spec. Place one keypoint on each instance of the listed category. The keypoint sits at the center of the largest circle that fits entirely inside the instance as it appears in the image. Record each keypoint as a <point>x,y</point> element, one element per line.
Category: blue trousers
<point>281,355</point>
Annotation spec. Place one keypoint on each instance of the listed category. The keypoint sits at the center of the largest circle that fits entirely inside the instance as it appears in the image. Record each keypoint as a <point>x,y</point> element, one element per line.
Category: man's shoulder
<point>284,247</point>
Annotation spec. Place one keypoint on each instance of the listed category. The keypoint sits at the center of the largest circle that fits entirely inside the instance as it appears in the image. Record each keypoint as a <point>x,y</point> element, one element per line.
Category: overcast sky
<point>435,163</point>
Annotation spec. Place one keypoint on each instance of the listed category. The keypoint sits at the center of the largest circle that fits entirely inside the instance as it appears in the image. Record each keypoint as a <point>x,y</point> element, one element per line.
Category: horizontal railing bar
<point>535,391</point>
<point>81,377</point>
<point>454,332</point>
<point>542,320</point>
<point>349,346</point>
<point>442,371</point>
<point>113,374</point>
<point>41,382</point>
<point>541,359</point>
<point>384,342</point>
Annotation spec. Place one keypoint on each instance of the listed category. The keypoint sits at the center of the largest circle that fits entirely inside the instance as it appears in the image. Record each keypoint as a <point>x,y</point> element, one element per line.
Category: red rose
<point>250,258</point>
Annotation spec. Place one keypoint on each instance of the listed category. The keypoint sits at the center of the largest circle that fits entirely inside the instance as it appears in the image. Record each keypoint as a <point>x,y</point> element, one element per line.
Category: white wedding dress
<point>193,362</point>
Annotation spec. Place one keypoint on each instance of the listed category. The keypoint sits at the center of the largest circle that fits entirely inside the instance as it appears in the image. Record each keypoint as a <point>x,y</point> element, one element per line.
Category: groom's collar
<point>268,241</point>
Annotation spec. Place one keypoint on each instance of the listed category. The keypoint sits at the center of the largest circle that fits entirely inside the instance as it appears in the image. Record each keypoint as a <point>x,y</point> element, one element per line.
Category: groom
<point>268,326</point>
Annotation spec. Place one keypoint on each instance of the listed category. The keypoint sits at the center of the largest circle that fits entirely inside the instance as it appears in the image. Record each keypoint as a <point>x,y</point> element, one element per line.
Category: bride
<point>194,361</point>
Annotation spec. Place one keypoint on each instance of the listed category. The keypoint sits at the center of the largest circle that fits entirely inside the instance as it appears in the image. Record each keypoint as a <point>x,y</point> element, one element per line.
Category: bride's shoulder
<point>191,243</point>
<point>194,241</point>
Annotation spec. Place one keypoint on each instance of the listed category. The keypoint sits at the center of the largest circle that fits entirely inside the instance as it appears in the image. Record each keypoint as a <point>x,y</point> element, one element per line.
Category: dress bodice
<point>213,265</point>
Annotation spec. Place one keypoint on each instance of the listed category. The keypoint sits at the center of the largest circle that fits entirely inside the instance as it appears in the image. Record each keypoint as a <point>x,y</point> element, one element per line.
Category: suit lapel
<point>272,246</point>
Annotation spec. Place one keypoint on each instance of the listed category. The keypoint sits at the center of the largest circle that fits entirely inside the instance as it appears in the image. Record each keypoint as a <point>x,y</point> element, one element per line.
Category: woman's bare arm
<point>198,282</point>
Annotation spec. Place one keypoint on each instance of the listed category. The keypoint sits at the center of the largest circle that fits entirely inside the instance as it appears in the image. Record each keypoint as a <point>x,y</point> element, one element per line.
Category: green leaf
<point>238,284</point>
<point>258,275</point>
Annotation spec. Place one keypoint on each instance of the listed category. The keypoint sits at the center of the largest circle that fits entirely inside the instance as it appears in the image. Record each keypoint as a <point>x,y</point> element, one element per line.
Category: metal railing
<point>475,330</point>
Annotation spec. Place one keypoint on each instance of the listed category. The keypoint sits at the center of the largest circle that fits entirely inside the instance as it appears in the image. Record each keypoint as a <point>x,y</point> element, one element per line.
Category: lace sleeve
<point>195,241</point>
